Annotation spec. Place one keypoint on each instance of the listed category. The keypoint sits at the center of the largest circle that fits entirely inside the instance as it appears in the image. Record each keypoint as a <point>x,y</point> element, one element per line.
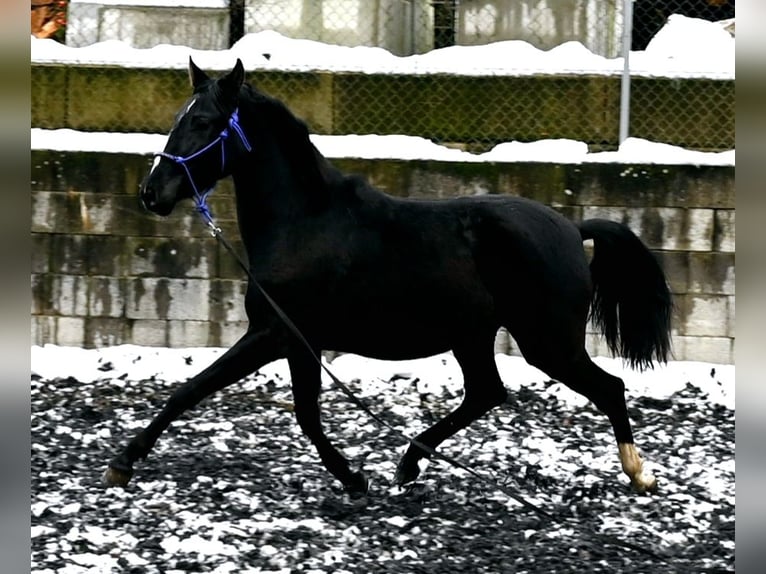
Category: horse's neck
<point>282,185</point>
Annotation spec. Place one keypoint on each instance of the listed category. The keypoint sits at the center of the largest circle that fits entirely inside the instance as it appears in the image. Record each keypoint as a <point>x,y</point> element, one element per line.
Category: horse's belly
<point>409,331</point>
<point>399,347</point>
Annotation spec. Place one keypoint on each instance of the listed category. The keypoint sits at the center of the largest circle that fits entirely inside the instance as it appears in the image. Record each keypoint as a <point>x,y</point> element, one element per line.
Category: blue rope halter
<point>200,199</point>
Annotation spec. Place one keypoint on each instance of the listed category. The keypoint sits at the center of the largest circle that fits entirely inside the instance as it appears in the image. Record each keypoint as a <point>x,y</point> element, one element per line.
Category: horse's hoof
<point>358,485</point>
<point>641,480</point>
<point>406,471</point>
<point>644,484</point>
<point>116,477</point>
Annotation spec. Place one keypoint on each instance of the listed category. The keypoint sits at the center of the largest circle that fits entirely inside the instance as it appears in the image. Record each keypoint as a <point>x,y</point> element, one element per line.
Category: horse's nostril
<point>147,199</point>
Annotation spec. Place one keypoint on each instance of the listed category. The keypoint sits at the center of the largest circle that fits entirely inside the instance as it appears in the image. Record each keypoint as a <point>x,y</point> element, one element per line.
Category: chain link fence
<point>697,114</point>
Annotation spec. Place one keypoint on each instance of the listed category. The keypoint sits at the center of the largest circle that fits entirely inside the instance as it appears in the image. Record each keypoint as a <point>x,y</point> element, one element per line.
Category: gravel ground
<point>234,486</point>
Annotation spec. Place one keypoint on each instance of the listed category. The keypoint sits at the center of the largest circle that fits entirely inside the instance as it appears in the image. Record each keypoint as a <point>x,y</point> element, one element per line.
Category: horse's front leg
<point>251,352</point>
<point>484,390</point>
<point>306,383</point>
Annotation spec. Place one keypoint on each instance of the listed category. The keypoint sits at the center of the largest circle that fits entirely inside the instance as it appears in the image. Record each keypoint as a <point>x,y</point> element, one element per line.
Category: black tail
<point>631,304</point>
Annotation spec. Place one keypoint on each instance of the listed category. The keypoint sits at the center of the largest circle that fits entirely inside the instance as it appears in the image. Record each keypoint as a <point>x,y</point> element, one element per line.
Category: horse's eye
<point>200,122</point>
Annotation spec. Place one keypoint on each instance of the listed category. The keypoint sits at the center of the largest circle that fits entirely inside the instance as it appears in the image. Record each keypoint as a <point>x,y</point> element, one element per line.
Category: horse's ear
<point>232,82</point>
<point>196,76</point>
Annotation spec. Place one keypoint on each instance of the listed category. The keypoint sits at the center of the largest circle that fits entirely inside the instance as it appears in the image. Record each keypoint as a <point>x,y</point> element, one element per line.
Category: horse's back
<point>516,244</point>
<point>524,256</point>
<point>532,261</point>
<point>514,235</point>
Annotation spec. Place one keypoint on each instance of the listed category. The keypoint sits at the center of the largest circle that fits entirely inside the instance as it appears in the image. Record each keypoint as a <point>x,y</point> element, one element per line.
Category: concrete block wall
<point>105,272</point>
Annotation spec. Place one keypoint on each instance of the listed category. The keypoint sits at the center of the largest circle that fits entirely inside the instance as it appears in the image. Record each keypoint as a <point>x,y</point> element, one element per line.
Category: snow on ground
<point>87,365</point>
<point>685,47</point>
<point>233,485</point>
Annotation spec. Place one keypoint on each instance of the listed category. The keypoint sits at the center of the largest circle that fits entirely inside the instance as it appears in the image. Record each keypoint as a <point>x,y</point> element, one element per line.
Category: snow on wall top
<point>632,150</point>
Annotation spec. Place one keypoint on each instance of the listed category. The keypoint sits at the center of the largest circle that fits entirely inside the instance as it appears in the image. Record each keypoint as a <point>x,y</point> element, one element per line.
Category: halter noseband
<point>200,199</point>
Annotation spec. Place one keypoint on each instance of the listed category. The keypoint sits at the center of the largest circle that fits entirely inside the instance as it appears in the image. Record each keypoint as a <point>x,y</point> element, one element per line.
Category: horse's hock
<point>104,273</point>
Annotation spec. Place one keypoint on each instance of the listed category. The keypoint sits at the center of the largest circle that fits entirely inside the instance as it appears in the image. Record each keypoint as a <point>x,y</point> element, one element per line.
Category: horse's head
<point>202,145</point>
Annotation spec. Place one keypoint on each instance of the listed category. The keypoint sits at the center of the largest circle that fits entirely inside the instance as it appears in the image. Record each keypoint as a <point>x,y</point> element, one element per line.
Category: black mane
<point>293,136</point>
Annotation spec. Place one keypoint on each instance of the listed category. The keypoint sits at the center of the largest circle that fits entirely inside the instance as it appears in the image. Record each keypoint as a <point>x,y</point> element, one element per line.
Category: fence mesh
<point>472,110</point>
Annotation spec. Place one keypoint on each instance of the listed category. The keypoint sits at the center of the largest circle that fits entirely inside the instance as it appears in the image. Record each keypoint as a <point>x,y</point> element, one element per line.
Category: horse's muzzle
<point>149,199</point>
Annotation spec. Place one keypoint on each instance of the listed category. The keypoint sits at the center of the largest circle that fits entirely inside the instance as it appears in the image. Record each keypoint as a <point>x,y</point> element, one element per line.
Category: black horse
<point>360,271</point>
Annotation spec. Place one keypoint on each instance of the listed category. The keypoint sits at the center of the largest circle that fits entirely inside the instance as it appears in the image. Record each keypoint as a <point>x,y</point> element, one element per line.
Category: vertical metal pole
<point>236,21</point>
<point>413,29</point>
<point>627,33</point>
<point>444,23</point>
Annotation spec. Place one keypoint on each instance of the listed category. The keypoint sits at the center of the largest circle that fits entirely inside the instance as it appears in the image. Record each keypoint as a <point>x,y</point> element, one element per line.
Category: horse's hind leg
<point>251,352</point>
<point>306,382</point>
<point>483,390</point>
<point>607,393</point>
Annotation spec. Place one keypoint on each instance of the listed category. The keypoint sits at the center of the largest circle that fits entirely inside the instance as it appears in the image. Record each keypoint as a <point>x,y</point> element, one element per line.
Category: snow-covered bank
<point>684,48</point>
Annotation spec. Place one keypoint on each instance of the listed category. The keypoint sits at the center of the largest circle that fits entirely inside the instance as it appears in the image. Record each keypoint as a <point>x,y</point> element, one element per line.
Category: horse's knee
<point>482,399</point>
<point>497,396</point>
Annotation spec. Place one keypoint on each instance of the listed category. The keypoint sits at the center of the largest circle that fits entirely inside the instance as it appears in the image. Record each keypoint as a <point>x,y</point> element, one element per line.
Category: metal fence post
<point>627,33</point>
<point>444,23</point>
<point>236,21</point>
